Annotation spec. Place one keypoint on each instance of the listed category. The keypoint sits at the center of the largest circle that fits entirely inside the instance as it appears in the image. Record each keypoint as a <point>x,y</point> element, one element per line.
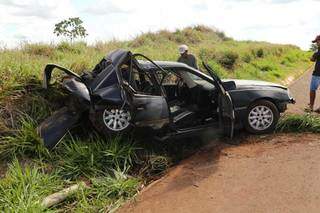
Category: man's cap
<point>183,48</point>
<point>316,39</point>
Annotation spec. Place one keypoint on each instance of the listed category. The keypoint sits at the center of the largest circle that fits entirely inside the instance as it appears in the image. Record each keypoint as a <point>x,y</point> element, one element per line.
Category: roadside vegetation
<point>299,123</point>
<point>114,170</point>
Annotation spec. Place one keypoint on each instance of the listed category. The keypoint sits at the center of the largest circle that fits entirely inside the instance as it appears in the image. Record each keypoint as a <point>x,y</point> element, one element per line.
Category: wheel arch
<point>267,99</point>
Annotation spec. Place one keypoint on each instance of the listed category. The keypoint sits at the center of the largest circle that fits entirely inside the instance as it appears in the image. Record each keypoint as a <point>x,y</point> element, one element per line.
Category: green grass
<point>94,157</point>
<point>115,168</point>
<point>24,142</point>
<point>24,187</point>
<point>299,123</point>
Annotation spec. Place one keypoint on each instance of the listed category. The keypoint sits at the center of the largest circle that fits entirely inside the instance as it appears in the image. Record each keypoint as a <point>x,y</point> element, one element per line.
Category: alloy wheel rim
<point>260,118</point>
<point>116,119</point>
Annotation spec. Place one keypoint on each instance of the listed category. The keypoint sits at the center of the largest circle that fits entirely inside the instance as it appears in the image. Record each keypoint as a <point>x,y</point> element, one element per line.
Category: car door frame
<point>225,104</point>
<point>149,110</point>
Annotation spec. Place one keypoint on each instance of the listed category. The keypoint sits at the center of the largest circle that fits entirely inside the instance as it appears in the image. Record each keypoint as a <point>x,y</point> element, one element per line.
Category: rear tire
<point>112,121</point>
<point>261,117</point>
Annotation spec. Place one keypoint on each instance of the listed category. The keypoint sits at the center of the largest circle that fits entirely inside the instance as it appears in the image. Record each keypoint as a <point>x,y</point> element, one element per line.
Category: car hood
<point>253,83</point>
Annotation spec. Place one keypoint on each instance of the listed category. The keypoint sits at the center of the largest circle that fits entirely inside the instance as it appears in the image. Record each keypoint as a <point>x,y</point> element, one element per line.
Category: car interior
<point>191,100</point>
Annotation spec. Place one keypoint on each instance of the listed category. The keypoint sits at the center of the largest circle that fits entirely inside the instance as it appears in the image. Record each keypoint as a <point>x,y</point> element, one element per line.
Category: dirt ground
<point>274,173</point>
<point>300,91</point>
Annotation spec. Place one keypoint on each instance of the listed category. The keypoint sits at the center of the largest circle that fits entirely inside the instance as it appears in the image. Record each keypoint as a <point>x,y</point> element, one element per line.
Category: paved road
<point>275,173</point>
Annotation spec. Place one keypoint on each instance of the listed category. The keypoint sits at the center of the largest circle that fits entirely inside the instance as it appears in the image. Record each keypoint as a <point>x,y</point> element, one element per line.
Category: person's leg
<point>312,99</point>
<point>315,81</point>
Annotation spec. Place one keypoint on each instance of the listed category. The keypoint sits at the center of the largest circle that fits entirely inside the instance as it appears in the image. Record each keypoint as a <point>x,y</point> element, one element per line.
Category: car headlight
<point>289,93</point>
<point>292,100</point>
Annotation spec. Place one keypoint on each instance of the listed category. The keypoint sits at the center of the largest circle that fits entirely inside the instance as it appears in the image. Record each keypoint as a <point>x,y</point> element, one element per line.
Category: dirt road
<point>300,91</point>
<point>275,173</point>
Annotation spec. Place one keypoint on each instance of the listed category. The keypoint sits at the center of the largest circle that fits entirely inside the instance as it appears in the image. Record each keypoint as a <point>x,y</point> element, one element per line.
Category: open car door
<point>225,106</point>
<point>149,110</point>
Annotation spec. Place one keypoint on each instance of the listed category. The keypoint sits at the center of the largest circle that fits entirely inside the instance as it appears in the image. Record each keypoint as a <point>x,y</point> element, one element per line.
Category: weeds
<point>299,123</point>
<point>94,156</point>
<point>24,142</point>
<point>23,189</point>
<point>39,49</point>
<point>105,194</point>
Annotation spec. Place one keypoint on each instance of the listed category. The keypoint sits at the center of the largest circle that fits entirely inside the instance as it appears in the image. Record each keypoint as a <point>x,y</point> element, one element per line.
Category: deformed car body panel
<point>54,128</point>
<point>48,73</point>
<point>151,111</point>
<point>77,88</point>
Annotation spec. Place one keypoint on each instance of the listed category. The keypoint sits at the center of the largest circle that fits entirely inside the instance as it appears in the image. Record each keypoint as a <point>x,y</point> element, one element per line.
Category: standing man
<point>186,57</point>
<point>315,80</point>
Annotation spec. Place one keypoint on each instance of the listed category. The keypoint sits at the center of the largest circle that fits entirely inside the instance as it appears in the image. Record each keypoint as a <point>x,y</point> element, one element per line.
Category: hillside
<point>24,104</point>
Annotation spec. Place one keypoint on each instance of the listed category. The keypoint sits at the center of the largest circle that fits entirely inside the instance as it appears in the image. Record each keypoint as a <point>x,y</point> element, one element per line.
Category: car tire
<point>112,121</point>
<point>262,117</point>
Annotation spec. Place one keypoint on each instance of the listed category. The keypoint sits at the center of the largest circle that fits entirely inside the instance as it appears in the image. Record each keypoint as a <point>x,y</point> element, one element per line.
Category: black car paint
<point>242,95</point>
<point>153,111</point>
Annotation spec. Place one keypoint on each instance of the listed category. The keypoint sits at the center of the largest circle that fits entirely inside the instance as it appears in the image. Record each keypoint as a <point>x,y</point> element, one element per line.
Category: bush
<point>228,59</point>
<point>192,36</point>
<point>76,48</point>
<point>203,29</point>
<point>260,53</point>
<point>207,54</point>
<point>39,49</point>
<point>246,58</point>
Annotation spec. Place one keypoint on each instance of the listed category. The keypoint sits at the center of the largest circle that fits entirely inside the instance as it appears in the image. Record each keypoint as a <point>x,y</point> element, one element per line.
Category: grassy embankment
<point>114,169</point>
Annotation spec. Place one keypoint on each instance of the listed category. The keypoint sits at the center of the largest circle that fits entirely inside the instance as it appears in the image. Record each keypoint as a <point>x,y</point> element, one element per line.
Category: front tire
<point>262,117</point>
<point>112,121</point>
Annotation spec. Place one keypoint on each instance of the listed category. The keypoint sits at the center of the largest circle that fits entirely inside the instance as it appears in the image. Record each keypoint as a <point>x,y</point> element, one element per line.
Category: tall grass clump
<point>23,188</point>
<point>299,123</point>
<point>105,194</point>
<point>39,49</point>
<point>23,142</point>
<point>94,156</point>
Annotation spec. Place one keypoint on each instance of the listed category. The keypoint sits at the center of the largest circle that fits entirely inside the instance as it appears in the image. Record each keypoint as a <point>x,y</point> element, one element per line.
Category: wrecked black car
<point>167,99</point>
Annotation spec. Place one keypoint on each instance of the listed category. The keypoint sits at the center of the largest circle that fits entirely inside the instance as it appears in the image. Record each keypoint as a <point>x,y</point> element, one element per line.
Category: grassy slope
<point>23,104</point>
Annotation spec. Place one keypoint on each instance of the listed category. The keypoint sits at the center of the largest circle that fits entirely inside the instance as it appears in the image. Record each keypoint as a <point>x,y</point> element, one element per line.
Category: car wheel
<point>112,120</point>
<point>262,117</point>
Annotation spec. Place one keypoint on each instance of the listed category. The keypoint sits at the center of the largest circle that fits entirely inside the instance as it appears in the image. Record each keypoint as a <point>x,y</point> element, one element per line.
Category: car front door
<point>225,104</point>
<point>148,102</point>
